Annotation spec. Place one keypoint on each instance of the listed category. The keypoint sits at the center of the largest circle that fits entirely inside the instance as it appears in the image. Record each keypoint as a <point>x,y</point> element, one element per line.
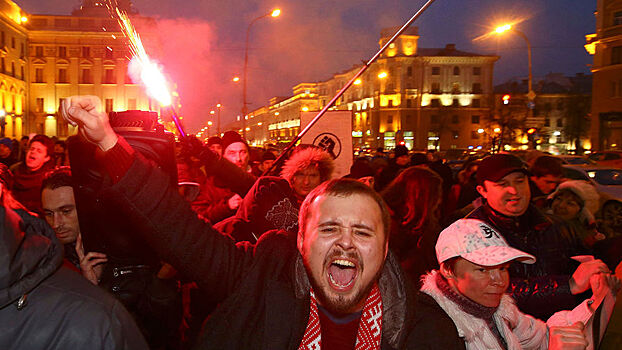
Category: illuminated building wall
<point>424,98</point>
<point>606,46</point>
<point>13,68</point>
<point>45,58</point>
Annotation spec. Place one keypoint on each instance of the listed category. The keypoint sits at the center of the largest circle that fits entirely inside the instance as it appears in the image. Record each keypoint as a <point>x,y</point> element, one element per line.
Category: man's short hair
<point>547,165</point>
<point>45,141</point>
<point>56,178</point>
<point>307,157</point>
<point>61,143</point>
<point>344,188</point>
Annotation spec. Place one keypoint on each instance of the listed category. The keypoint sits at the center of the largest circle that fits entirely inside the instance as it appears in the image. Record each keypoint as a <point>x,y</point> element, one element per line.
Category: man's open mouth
<point>342,274</point>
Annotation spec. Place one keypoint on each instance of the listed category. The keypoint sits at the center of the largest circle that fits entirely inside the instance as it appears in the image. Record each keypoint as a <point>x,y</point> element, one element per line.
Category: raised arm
<point>163,218</point>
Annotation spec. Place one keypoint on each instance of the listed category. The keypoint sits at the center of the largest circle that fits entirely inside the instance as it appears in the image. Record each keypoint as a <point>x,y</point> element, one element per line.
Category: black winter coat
<point>433,328</point>
<point>44,307</point>
<point>539,289</point>
<point>269,205</point>
<point>263,289</point>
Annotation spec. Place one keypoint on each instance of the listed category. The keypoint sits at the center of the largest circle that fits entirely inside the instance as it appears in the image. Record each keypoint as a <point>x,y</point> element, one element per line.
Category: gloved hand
<point>191,147</point>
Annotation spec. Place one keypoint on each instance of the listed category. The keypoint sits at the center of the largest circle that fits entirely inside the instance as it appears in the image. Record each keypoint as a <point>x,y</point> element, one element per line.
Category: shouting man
<point>332,285</point>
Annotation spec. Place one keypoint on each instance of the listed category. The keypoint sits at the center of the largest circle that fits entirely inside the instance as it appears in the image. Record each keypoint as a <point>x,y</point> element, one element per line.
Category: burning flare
<point>141,67</point>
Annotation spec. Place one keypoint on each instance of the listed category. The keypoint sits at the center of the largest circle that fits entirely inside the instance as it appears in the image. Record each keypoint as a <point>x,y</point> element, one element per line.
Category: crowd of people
<point>242,253</point>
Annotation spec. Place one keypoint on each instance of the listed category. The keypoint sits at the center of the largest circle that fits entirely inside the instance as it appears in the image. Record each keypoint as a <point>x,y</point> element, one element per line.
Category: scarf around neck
<point>472,308</point>
<point>370,327</point>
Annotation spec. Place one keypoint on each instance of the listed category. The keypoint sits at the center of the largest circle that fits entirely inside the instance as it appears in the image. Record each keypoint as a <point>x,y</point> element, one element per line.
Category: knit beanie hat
<point>231,137</point>
<point>214,140</point>
<point>267,155</point>
<point>7,142</point>
<point>586,192</point>
<point>400,150</point>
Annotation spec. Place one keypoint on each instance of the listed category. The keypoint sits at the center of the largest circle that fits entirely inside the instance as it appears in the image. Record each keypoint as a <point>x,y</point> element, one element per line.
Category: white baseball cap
<point>478,243</point>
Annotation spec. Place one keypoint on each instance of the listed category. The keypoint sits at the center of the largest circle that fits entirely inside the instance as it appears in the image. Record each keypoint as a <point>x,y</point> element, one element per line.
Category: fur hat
<point>308,157</point>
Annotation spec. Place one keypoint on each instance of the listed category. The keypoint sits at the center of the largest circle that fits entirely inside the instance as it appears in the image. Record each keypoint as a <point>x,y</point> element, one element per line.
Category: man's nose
<point>345,238</point>
<point>57,221</point>
<point>512,189</point>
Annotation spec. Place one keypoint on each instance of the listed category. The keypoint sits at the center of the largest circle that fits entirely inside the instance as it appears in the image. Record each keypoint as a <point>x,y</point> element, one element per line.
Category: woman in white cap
<point>464,304</point>
<point>576,201</point>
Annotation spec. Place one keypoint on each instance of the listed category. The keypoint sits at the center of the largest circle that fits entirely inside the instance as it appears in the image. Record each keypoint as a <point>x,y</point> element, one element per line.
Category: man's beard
<point>337,303</point>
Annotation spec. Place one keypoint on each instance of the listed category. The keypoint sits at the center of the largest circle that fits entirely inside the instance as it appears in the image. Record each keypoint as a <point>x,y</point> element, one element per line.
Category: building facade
<point>45,59</point>
<point>422,98</point>
<point>560,120</point>
<point>606,47</point>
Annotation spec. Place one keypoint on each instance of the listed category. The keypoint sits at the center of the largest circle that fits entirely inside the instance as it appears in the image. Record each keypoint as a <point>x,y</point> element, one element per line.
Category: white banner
<point>333,133</point>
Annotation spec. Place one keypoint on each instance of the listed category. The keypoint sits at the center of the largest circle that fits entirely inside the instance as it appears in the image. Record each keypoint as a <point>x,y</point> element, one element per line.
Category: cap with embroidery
<point>478,243</point>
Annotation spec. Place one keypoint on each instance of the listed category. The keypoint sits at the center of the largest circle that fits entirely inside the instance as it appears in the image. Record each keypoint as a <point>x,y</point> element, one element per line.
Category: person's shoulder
<point>78,294</point>
<point>16,167</point>
<point>433,328</point>
<point>277,240</point>
<point>88,314</point>
<point>270,181</point>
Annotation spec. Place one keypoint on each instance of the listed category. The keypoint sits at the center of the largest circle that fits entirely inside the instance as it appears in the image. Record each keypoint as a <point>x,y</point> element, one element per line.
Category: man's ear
<point>482,190</point>
<point>447,273</point>
<point>300,240</point>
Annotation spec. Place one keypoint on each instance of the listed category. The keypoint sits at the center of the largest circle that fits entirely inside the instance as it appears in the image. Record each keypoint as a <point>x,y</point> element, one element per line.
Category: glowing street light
<point>508,27</point>
<point>382,75</point>
<point>480,131</point>
<point>357,82</point>
<point>503,28</point>
<point>218,107</point>
<point>497,130</point>
<point>275,13</point>
<point>235,79</point>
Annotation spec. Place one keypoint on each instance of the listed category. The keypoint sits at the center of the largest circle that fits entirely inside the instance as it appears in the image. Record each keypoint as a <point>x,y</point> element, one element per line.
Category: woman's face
<point>566,205</point>
<point>484,285</point>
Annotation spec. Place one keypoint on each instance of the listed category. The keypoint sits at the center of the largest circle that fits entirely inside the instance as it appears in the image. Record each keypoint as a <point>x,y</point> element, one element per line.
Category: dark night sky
<point>204,40</point>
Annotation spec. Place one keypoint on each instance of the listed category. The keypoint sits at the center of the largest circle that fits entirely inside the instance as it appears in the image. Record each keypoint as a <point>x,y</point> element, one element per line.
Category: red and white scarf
<point>370,326</point>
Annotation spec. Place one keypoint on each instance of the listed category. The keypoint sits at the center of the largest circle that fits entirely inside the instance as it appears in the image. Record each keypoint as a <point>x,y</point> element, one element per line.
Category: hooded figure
<point>43,306</point>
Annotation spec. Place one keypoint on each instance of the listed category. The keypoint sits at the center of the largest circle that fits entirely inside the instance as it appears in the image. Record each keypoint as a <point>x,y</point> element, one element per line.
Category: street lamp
<point>218,106</point>
<point>274,13</point>
<point>530,94</point>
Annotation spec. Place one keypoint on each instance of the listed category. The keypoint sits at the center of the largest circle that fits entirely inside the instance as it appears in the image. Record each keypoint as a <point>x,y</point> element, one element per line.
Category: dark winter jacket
<point>269,205</point>
<point>44,307</point>
<point>224,180</point>
<point>263,289</point>
<point>542,288</point>
<point>433,328</point>
<point>212,201</point>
